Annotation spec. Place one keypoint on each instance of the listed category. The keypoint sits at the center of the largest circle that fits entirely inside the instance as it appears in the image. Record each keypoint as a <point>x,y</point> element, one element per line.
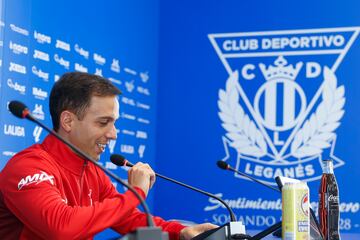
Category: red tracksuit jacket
<point>48,192</point>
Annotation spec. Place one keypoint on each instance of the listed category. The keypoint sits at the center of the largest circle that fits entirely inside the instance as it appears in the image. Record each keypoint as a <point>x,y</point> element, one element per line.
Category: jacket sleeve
<point>137,218</point>
<point>32,195</point>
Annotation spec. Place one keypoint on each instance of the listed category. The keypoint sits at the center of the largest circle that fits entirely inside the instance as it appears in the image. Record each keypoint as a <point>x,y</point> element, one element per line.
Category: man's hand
<point>141,175</point>
<point>192,231</point>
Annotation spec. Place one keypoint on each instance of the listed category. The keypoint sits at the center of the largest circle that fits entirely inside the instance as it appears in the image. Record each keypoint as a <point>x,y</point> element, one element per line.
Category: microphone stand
<point>142,233</point>
<point>277,226</point>
<point>224,232</point>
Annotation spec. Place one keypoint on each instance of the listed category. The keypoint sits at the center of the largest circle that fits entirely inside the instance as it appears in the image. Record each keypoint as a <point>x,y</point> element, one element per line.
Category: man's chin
<point>97,157</point>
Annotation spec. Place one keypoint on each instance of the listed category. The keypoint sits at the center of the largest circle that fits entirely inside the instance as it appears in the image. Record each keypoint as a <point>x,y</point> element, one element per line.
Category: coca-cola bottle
<point>329,203</point>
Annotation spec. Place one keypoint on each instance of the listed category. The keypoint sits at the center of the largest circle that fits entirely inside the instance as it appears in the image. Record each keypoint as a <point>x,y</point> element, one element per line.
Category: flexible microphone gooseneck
<point>121,161</point>
<point>225,166</point>
<point>21,111</point>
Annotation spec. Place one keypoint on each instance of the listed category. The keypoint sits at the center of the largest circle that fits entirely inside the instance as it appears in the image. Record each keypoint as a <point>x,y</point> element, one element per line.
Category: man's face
<point>97,128</point>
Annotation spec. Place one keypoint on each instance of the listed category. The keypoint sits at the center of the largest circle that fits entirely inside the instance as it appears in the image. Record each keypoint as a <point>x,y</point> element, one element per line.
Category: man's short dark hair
<point>73,92</point>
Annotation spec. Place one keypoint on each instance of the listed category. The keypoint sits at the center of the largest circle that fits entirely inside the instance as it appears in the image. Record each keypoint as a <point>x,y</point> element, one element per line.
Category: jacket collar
<point>63,155</point>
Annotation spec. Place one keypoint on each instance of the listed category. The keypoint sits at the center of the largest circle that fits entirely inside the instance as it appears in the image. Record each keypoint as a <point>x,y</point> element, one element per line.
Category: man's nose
<point>112,133</point>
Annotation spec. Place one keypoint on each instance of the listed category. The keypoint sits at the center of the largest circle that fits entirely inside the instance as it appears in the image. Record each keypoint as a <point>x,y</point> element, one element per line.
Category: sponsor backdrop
<point>40,40</point>
<point>269,87</point>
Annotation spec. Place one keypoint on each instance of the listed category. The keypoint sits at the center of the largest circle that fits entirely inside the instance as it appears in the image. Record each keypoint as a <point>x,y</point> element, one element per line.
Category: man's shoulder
<point>32,159</point>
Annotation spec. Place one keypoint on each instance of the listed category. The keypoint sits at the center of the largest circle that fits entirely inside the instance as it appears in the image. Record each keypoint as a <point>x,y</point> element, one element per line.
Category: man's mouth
<point>102,146</point>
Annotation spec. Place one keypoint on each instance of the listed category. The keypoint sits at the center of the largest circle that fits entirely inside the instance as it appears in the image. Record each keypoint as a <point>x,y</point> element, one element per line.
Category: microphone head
<point>119,160</point>
<point>222,165</point>
<point>18,109</point>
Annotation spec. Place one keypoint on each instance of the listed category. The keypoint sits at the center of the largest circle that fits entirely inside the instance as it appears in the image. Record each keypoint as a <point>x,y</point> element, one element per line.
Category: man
<point>49,192</point>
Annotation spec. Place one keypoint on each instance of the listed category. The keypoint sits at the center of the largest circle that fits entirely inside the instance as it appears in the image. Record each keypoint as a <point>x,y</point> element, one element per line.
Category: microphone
<point>121,161</point>
<point>276,227</point>
<point>20,110</point>
<point>225,166</point>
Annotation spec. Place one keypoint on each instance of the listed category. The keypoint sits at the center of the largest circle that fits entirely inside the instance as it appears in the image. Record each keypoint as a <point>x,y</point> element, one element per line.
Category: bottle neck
<point>328,167</point>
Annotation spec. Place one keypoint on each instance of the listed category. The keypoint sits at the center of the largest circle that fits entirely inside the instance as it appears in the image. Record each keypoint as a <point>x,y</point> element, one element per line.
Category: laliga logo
<point>36,133</point>
<point>112,143</point>
<point>280,118</point>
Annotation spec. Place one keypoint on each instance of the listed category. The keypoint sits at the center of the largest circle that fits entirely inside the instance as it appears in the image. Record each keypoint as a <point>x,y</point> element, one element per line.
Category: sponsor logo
<point>13,130</point>
<point>128,116</point>
<point>8,153</point>
<point>141,134</point>
<point>40,73</point>
<point>19,30</point>
<point>65,200</point>
<point>36,178</point>
<point>305,204</point>
<point>129,86</point>
<point>115,81</point>
<point>128,132</point>
<point>41,55</point>
<point>333,198</point>
<point>38,112</point>
<point>110,166</point>
<point>112,143</point>
<point>130,71</point>
<point>61,61</point>
<point>17,87</point>
<point>62,45</point>
<point>285,126</point>
<point>2,24</point>
<point>142,105</point>
<point>0,62</point>
<point>141,150</point>
<point>99,59</point>
<point>144,76</point>
<point>80,68</point>
<point>17,48</point>
<point>42,38</point>
<point>244,203</point>
<point>143,90</point>
<point>143,120</point>
<point>36,133</point>
<point>39,93</point>
<point>56,77</point>
<point>14,67</point>
<point>128,101</point>
<point>81,51</point>
<point>98,72</point>
<point>115,66</point>
<point>124,148</point>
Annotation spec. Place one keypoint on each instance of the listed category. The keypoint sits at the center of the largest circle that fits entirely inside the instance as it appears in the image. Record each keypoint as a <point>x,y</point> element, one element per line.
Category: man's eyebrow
<point>106,118</point>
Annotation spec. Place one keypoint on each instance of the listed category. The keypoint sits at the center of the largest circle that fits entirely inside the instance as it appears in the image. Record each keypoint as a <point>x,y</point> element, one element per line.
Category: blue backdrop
<point>269,87</point>
<point>42,40</point>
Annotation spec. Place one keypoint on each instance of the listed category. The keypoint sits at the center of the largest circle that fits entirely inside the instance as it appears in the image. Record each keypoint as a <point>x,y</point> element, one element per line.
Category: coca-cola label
<point>333,198</point>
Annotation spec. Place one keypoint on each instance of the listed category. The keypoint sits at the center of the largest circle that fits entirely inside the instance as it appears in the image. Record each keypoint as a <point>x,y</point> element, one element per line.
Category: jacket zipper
<point>82,181</point>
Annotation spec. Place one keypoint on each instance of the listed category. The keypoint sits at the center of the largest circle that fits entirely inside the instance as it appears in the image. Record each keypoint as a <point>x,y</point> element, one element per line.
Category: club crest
<point>282,102</point>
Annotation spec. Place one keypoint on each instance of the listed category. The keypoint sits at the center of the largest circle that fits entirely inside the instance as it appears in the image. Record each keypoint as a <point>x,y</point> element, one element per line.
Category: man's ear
<point>67,120</point>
